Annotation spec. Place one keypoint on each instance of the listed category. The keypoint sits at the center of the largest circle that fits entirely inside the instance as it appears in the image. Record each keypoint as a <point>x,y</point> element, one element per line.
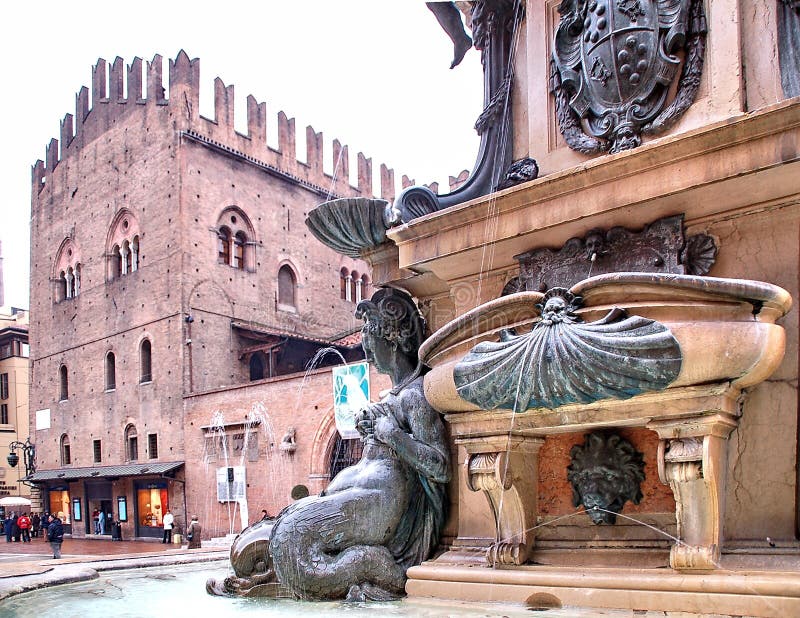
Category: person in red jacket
<point>24,523</point>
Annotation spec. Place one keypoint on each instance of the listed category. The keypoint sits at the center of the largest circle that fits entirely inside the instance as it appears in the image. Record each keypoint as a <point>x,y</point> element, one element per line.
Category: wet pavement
<point>28,566</point>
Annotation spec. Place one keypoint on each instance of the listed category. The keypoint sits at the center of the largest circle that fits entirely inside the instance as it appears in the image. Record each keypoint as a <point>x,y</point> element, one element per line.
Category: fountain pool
<point>178,591</point>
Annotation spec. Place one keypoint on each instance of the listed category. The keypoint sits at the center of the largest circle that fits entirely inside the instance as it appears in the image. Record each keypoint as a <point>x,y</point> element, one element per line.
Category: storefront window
<point>152,502</point>
<point>60,503</point>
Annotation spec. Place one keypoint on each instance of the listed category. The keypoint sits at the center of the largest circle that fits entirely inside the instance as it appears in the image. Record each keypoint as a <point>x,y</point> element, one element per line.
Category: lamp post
<point>28,455</point>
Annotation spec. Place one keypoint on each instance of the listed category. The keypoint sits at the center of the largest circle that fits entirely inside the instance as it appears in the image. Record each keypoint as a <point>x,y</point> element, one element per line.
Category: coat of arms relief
<point>614,62</point>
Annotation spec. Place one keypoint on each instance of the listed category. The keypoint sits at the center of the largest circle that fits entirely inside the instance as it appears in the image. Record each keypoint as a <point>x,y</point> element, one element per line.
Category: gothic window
<point>145,362</point>
<point>97,451</point>
<point>66,456</point>
<point>257,366</point>
<point>224,246</point>
<point>131,443</point>
<point>111,372</point>
<point>235,239</point>
<point>286,287</point>
<point>67,271</point>
<point>364,287</point>
<point>123,246</point>
<point>63,383</point>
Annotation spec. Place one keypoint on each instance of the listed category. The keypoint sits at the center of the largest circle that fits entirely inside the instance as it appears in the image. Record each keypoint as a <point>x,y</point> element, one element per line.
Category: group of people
<point>25,526</point>
<point>21,527</point>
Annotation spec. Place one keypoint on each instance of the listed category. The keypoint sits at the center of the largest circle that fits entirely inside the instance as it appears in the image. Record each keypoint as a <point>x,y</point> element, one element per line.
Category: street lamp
<point>28,455</point>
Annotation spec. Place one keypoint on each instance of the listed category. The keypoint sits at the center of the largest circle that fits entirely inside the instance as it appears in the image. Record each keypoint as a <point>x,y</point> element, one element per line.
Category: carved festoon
<point>605,472</point>
<point>661,247</point>
<point>613,64</point>
<point>563,360</point>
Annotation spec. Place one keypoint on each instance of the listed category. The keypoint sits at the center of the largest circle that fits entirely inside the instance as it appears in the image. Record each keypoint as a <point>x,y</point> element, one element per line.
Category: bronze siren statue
<point>377,518</point>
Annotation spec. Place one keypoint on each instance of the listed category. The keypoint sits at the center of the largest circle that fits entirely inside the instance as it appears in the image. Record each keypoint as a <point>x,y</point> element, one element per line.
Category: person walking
<point>169,522</point>
<point>55,532</point>
<point>24,523</point>
<point>35,523</point>
<point>8,526</point>
<point>45,523</point>
<point>101,523</point>
<point>193,533</point>
<point>96,521</point>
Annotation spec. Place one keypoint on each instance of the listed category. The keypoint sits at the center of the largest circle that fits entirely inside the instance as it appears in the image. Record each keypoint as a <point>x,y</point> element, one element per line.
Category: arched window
<point>365,286</point>
<point>62,286</point>
<point>257,366</point>
<point>145,362</point>
<point>134,254</point>
<point>67,271</point>
<point>224,246</point>
<point>111,372</point>
<point>63,383</point>
<point>344,283</point>
<point>131,443</point>
<point>344,454</point>
<point>286,286</point>
<point>116,262</point>
<point>63,447</point>
<point>239,242</point>
<point>123,245</point>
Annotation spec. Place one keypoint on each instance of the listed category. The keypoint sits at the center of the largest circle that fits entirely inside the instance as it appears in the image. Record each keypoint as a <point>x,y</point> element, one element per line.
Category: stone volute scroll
<point>613,64</point>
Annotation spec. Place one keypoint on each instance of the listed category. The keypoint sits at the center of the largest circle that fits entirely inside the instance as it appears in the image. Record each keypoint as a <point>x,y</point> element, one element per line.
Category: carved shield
<point>617,58</point>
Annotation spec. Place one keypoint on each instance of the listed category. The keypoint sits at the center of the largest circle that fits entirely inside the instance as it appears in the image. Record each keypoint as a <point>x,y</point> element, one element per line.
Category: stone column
<point>123,257</point>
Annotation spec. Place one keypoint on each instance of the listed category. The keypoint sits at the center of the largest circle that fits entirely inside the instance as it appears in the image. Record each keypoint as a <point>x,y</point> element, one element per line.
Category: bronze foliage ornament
<point>564,360</point>
<point>613,64</point>
<point>605,472</point>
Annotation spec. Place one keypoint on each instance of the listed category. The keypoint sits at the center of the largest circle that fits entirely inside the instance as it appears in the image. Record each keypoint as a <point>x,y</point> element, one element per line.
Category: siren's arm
<point>425,448</point>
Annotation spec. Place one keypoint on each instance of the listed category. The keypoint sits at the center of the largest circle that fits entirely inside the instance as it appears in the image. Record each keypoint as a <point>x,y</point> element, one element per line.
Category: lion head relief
<point>605,472</point>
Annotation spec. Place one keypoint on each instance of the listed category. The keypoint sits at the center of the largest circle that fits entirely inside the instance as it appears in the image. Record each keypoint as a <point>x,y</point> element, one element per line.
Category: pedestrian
<point>45,523</point>
<point>101,523</point>
<point>96,521</point>
<point>8,526</point>
<point>15,528</point>
<point>24,524</point>
<point>55,532</point>
<point>35,523</point>
<point>169,522</point>
<point>193,533</point>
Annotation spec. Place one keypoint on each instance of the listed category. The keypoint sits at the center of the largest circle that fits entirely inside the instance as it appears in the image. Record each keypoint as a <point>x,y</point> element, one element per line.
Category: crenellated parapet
<point>118,91</point>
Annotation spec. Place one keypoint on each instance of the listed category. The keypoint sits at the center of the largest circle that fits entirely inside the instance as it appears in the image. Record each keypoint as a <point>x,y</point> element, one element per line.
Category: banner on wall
<point>350,395</point>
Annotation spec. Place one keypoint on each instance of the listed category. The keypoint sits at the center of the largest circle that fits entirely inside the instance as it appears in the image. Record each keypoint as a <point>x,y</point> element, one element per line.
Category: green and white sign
<point>350,395</point>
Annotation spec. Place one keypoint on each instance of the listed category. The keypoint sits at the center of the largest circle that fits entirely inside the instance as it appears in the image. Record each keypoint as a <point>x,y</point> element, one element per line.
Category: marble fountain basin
<point>672,331</point>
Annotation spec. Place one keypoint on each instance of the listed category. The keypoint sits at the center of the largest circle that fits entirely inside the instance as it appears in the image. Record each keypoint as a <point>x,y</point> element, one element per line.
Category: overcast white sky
<point>374,74</point>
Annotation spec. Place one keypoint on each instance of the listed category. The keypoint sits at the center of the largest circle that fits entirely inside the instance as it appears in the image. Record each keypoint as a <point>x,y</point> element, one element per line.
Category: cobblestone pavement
<point>38,547</point>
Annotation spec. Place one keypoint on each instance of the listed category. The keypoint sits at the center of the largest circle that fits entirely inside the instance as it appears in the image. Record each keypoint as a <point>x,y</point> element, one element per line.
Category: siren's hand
<point>385,426</point>
<point>365,421</point>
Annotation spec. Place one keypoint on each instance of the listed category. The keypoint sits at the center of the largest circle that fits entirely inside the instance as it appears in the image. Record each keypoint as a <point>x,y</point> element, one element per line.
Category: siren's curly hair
<point>392,315</point>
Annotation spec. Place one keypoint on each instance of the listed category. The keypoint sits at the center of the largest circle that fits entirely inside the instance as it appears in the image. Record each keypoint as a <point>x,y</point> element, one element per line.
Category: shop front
<point>107,500</point>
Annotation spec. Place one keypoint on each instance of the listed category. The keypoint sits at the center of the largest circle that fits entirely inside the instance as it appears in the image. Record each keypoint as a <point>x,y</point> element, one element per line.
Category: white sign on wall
<point>43,419</point>
<point>231,486</point>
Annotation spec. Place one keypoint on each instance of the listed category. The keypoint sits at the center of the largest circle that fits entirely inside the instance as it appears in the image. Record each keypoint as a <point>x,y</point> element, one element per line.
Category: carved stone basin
<point>725,331</point>
<point>669,353</point>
